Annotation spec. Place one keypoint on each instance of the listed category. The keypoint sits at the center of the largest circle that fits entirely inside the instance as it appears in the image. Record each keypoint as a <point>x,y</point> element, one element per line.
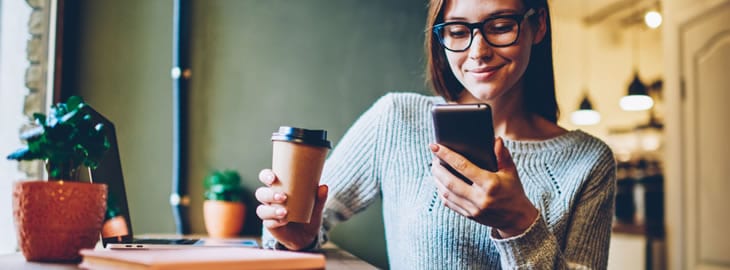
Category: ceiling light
<point>638,98</point>
<point>653,19</point>
<point>585,115</point>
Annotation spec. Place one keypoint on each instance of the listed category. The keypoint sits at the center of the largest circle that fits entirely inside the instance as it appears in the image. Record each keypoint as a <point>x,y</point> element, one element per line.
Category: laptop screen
<point>117,226</point>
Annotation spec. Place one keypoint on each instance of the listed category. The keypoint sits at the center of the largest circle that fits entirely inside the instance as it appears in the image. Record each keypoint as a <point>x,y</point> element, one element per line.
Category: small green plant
<point>223,186</point>
<point>67,139</point>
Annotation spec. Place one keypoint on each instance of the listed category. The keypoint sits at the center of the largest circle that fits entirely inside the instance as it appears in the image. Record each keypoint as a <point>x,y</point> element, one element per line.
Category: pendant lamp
<point>585,115</point>
<point>637,98</point>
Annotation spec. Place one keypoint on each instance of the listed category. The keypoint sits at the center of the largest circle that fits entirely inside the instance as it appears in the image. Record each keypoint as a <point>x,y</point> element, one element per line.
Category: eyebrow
<point>493,14</point>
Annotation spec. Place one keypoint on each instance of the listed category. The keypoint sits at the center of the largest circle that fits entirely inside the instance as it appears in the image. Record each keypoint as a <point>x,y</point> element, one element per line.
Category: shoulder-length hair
<point>539,81</point>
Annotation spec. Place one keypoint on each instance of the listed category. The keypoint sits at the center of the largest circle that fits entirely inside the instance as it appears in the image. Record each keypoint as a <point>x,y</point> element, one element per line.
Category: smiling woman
<point>256,64</point>
<point>24,36</point>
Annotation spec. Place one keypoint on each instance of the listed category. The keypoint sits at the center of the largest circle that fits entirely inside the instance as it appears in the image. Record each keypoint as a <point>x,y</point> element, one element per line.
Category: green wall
<point>123,70</point>
<point>257,64</point>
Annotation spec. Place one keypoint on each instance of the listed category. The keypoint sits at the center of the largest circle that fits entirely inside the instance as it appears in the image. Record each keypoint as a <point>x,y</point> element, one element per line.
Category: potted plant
<point>223,209</point>
<point>58,217</point>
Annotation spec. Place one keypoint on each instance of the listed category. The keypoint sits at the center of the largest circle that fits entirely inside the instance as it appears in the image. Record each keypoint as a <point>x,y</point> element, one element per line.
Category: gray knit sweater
<point>570,179</point>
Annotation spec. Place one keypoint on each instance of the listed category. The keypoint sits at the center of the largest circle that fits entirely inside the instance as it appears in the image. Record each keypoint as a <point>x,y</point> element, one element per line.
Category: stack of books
<point>200,258</point>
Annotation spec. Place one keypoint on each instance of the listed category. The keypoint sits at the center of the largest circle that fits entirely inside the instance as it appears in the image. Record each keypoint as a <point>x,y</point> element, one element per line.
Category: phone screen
<point>468,130</point>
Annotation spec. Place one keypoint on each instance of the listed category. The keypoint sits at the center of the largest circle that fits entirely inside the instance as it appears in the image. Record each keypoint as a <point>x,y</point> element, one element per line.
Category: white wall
<point>13,37</point>
<point>676,11</point>
<point>610,69</point>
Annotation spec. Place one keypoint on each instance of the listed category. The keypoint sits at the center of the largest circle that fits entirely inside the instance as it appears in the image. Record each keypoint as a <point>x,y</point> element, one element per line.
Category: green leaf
<point>68,138</point>
<point>23,154</point>
<point>113,207</point>
<point>74,102</point>
<point>39,118</point>
<point>223,185</point>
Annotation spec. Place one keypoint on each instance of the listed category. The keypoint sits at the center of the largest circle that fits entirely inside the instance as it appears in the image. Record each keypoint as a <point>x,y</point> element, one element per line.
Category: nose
<point>479,48</point>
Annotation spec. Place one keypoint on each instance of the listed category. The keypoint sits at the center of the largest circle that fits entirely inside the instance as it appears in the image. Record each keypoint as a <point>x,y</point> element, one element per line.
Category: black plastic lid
<point>312,137</point>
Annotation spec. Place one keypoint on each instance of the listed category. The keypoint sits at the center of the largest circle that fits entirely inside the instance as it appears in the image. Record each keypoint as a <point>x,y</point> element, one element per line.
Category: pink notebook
<point>208,258</point>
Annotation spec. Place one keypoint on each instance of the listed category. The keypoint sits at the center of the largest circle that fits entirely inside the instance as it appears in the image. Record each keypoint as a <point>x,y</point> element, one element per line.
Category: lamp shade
<point>638,96</point>
<point>585,115</point>
<point>585,104</point>
<point>637,87</point>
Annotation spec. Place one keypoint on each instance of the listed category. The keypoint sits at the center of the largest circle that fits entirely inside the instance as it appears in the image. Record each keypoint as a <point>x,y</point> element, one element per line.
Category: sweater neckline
<point>556,143</point>
<point>553,144</point>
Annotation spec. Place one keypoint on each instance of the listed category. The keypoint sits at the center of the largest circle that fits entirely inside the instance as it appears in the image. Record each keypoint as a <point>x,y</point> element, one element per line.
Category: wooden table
<point>336,259</point>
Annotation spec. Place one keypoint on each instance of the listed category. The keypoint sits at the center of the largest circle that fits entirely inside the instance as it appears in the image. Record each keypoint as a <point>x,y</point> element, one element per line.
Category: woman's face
<point>490,73</point>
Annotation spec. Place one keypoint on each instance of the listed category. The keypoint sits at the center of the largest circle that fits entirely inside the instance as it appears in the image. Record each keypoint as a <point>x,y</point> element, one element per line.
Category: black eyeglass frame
<point>480,25</point>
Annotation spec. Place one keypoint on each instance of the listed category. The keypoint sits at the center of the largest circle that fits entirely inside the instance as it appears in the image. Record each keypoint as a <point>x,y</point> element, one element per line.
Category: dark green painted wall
<point>257,64</point>
<point>121,67</point>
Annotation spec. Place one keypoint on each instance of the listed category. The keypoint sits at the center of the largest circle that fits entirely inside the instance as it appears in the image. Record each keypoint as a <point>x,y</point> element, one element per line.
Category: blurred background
<point>627,71</point>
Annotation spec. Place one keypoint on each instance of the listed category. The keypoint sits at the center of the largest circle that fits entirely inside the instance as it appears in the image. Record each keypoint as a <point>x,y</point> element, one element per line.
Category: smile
<point>484,73</point>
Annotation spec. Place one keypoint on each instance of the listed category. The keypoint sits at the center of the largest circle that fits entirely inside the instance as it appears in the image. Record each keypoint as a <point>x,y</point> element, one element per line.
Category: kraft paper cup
<point>297,161</point>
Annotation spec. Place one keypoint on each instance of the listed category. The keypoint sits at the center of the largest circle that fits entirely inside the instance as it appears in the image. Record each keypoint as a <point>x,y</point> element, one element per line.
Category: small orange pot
<point>223,219</point>
<point>56,219</point>
<point>116,226</point>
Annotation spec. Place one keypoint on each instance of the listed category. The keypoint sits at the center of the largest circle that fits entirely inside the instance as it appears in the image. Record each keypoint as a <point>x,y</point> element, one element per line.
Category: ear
<point>541,28</point>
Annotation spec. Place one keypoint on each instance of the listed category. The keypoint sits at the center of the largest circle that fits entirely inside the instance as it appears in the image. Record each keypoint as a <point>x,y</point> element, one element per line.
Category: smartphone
<point>468,130</point>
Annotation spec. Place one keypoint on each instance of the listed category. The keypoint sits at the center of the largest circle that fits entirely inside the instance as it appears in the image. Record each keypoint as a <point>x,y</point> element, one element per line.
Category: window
<point>14,36</point>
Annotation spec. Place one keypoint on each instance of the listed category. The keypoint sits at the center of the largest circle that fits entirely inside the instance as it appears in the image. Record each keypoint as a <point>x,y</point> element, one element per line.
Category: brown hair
<point>539,92</point>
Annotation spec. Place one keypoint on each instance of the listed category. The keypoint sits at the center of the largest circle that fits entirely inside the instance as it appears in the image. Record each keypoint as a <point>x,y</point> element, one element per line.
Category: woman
<point>549,205</point>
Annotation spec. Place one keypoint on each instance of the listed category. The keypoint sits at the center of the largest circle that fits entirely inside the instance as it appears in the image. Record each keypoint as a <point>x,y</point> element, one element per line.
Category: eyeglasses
<point>498,31</point>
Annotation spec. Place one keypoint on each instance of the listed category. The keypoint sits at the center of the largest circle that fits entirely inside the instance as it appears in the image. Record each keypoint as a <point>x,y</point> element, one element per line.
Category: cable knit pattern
<point>570,179</point>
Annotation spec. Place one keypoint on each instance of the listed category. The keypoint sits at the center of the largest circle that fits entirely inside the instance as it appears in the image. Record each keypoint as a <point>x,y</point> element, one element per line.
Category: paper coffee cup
<point>297,161</point>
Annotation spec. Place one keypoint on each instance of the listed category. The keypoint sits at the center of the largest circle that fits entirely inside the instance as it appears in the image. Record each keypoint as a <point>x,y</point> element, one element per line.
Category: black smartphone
<point>468,130</point>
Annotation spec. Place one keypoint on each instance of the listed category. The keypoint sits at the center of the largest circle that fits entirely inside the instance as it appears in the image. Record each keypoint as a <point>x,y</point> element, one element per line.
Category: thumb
<point>319,204</point>
<point>504,158</point>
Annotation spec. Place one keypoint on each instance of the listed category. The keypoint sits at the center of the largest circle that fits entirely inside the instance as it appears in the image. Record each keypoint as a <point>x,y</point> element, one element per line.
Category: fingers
<point>274,223</point>
<point>504,158</point>
<point>272,216</point>
<point>267,195</point>
<point>457,208</point>
<point>270,212</point>
<point>459,204</point>
<point>456,161</point>
<point>454,192</point>
<point>319,204</point>
<point>267,177</point>
<point>446,179</point>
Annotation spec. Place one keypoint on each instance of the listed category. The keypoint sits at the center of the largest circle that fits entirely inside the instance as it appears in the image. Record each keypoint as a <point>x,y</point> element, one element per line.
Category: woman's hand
<point>495,199</point>
<point>293,235</point>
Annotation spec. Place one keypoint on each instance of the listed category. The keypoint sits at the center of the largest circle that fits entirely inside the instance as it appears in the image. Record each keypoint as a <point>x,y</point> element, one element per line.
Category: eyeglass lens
<point>498,32</point>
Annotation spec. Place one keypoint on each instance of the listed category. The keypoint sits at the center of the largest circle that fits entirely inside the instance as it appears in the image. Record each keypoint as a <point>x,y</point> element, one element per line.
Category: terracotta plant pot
<point>56,219</point>
<point>223,219</point>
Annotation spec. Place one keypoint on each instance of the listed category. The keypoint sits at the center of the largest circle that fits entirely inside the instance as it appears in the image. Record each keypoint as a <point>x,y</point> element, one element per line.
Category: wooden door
<point>698,199</point>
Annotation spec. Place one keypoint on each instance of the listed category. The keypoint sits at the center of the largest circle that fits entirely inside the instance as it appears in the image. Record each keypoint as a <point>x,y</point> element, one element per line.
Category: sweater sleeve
<point>350,172</point>
<point>588,234</point>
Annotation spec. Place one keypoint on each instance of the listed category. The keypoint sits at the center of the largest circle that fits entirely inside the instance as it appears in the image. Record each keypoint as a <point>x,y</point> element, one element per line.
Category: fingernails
<point>434,147</point>
<point>279,197</point>
<point>322,192</point>
<point>281,212</point>
<point>267,176</point>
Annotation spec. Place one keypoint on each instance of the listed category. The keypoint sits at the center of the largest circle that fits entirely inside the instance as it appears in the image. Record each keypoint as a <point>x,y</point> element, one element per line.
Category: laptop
<point>117,229</point>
